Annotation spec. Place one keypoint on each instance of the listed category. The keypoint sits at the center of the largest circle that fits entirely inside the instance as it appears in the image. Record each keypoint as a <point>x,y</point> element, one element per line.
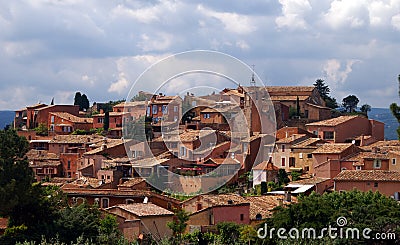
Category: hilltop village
<point>142,159</point>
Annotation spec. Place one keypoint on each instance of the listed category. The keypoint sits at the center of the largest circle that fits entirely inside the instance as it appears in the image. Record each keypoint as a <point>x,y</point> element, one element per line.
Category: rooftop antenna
<point>253,79</point>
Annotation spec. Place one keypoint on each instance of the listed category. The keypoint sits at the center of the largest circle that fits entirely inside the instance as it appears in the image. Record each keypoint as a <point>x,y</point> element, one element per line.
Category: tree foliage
<point>42,130</point>
<point>361,209</point>
<point>106,123</point>
<point>324,91</point>
<point>82,101</point>
<point>350,103</point>
<point>395,109</point>
<point>365,109</point>
<point>178,225</point>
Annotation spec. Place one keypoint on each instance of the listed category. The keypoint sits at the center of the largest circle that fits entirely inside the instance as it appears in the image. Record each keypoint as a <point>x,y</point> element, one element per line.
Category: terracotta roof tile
<point>291,139</point>
<point>131,182</point>
<point>72,118</point>
<point>367,155</point>
<point>308,143</point>
<point>336,148</point>
<point>265,165</point>
<point>76,139</point>
<point>144,209</point>
<point>368,175</point>
<point>333,121</point>
<point>3,223</point>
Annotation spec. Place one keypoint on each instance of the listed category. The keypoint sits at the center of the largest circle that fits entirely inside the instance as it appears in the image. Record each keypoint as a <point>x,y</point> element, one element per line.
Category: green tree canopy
<point>365,109</point>
<point>324,91</point>
<point>81,100</point>
<point>350,103</point>
<point>395,109</point>
<point>361,209</point>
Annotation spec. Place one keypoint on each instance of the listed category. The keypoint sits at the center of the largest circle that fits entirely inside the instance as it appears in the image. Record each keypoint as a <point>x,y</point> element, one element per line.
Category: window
<point>241,217</point>
<point>358,167</point>
<point>309,155</point>
<point>283,148</point>
<point>175,108</point>
<point>328,135</point>
<point>394,161</point>
<point>194,103</point>
<point>206,115</point>
<point>377,163</point>
<point>306,113</point>
<point>258,216</point>
<point>315,132</point>
<point>301,155</point>
<point>292,162</point>
<point>129,201</point>
<point>52,119</point>
<point>199,206</point>
<point>175,118</point>
<point>148,111</point>
<point>164,109</point>
<point>104,202</point>
<point>100,120</point>
<point>283,160</point>
<point>155,109</point>
<point>69,164</point>
<point>375,184</point>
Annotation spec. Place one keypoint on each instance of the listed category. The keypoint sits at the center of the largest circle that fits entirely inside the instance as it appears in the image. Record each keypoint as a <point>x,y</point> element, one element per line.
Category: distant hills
<point>380,114</point>
<point>386,116</point>
<point>6,117</point>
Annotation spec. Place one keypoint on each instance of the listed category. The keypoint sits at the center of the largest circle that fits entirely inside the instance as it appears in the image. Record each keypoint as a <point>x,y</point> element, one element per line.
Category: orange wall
<point>387,188</point>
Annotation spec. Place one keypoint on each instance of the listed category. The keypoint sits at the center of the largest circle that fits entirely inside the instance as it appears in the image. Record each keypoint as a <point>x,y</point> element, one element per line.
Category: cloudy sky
<point>53,48</point>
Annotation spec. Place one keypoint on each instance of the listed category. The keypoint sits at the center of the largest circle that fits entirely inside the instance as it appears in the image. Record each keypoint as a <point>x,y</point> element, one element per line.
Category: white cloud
<point>335,73</point>
<point>293,12</point>
<point>120,85</point>
<point>396,22</point>
<point>232,22</point>
<point>159,42</point>
<point>352,14</point>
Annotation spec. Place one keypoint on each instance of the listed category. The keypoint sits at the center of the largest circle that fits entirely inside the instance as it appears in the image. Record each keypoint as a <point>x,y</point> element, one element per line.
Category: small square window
<point>376,184</point>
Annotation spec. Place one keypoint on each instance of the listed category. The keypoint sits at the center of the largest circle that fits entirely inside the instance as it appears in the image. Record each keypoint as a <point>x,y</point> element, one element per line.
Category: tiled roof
<point>76,139</point>
<point>308,143</point>
<point>45,163</point>
<point>112,114</point>
<point>264,204</point>
<point>41,155</point>
<point>288,97</point>
<point>3,223</point>
<point>291,138</point>
<point>367,155</point>
<point>265,165</point>
<point>144,209</point>
<point>333,121</point>
<point>106,192</point>
<point>258,204</point>
<point>272,89</point>
<point>186,136</point>
<point>368,175</point>
<point>319,106</point>
<point>131,182</point>
<point>310,181</point>
<point>110,143</point>
<point>72,118</point>
<point>332,148</point>
<point>384,146</point>
<point>227,160</point>
<point>131,104</point>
